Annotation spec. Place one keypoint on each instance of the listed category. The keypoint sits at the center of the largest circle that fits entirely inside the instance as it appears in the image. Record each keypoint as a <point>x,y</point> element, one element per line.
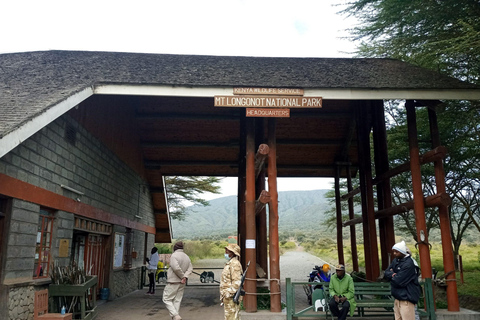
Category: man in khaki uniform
<point>177,275</point>
<point>230,282</point>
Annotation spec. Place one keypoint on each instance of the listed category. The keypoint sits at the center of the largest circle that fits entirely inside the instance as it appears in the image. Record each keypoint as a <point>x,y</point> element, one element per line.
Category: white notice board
<point>118,253</point>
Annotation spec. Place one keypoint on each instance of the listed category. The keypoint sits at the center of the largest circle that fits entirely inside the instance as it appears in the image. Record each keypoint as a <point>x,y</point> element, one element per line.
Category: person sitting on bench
<point>341,290</point>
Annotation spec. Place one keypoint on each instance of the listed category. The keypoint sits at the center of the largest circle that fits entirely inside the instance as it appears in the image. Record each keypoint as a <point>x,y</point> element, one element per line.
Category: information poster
<point>118,253</point>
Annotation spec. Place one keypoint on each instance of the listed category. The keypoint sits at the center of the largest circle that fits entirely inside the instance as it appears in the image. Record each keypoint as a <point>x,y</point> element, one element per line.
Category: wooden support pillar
<point>275,298</point>
<point>262,198</point>
<point>261,215</point>
<point>241,191</point>
<point>419,206</point>
<point>448,258</point>
<point>351,215</point>
<point>384,192</point>
<point>368,211</point>
<point>338,208</point>
<point>250,300</point>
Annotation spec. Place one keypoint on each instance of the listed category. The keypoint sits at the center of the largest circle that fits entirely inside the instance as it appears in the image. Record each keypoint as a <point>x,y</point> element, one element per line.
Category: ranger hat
<point>235,248</point>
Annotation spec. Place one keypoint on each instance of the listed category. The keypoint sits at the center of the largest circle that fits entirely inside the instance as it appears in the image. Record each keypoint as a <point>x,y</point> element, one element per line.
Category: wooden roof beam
<point>161,163</point>
<point>236,143</point>
<point>311,142</point>
<point>190,144</point>
<point>186,116</point>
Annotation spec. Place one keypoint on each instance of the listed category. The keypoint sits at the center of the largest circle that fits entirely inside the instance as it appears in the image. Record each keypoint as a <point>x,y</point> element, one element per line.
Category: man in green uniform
<point>230,282</point>
<point>342,292</point>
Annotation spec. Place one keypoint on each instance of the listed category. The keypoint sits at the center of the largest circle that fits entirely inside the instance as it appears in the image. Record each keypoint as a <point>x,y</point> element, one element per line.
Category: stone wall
<point>124,282</point>
<point>22,239</point>
<point>20,304</point>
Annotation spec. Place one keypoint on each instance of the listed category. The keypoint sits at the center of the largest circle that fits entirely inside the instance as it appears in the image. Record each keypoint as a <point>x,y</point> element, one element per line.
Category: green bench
<point>374,299</point>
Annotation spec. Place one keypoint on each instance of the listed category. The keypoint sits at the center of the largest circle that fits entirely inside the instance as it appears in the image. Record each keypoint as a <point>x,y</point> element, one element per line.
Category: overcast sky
<point>277,28</point>
<point>301,28</point>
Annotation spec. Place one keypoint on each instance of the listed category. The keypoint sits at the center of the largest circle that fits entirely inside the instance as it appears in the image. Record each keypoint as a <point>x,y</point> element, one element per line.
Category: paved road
<point>297,265</point>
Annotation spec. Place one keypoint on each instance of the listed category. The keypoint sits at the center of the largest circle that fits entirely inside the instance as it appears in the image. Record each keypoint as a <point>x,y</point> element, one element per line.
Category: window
<point>128,249</point>
<point>44,244</point>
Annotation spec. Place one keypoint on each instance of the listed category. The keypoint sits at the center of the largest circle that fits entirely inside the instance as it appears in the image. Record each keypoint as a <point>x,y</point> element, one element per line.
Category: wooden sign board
<point>268,112</point>
<point>269,91</point>
<point>253,101</point>
<point>63,248</point>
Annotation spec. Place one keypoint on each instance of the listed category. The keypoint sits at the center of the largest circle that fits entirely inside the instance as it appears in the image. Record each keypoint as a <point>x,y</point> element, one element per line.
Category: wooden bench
<point>41,308</point>
<point>374,299</point>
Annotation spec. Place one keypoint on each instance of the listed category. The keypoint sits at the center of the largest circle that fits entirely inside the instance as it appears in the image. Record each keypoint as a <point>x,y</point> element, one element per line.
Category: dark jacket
<point>404,285</point>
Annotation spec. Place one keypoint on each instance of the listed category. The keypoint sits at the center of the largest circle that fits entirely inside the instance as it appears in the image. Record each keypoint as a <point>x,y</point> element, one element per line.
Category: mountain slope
<point>298,210</point>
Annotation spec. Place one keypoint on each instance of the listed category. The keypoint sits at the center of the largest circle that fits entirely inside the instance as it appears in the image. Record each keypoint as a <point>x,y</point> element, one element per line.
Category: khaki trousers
<point>232,310</point>
<point>172,297</point>
<point>404,310</point>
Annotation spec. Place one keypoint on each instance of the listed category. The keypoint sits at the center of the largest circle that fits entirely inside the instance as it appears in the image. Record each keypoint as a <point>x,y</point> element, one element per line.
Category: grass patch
<point>198,249</point>
<point>470,287</point>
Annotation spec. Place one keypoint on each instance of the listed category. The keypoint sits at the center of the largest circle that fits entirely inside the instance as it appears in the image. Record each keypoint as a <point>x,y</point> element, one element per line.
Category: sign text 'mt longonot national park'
<point>254,101</point>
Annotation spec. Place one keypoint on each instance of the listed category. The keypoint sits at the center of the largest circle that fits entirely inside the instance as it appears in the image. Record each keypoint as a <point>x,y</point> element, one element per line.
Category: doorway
<point>90,252</point>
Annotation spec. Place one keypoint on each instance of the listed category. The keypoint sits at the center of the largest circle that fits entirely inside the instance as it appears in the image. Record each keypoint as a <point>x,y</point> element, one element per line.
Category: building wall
<point>47,160</point>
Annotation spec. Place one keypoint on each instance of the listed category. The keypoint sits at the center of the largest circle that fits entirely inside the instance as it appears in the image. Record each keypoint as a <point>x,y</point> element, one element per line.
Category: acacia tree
<point>184,191</point>
<point>443,36</point>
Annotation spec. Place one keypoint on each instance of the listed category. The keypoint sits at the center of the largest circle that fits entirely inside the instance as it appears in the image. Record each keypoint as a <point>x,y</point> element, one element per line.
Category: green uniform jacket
<point>343,287</point>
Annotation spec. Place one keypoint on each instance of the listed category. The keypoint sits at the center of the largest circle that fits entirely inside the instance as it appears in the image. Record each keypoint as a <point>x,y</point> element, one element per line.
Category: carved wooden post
<point>419,206</point>
<point>368,211</point>
<point>275,298</point>
<point>351,215</point>
<point>250,300</point>
<point>338,207</point>
<point>448,259</point>
<point>384,192</point>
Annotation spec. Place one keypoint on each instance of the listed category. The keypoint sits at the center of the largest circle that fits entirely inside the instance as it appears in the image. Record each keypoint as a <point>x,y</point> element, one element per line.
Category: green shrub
<point>164,247</point>
<point>289,245</point>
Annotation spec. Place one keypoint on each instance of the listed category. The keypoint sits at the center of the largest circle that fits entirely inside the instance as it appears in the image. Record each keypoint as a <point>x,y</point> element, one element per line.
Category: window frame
<point>43,245</point>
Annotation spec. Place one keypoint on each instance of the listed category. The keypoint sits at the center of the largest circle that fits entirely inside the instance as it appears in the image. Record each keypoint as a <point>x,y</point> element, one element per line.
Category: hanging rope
<point>263,294</point>
<point>261,279</point>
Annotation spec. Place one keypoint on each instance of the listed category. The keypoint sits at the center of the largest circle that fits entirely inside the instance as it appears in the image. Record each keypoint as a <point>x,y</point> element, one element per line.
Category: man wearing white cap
<point>403,277</point>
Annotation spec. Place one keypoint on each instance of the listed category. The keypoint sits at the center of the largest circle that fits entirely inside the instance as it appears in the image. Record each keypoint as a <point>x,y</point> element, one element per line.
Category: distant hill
<point>298,210</point>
